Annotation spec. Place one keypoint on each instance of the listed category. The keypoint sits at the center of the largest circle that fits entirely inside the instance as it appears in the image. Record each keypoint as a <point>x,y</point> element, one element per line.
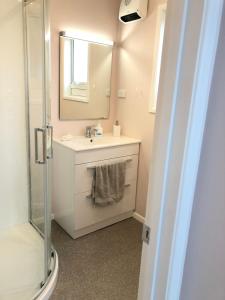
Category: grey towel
<point>108,183</point>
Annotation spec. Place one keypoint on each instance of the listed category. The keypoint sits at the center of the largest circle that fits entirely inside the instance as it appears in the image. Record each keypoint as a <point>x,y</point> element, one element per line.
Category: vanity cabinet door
<point>84,172</point>
<point>87,214</point>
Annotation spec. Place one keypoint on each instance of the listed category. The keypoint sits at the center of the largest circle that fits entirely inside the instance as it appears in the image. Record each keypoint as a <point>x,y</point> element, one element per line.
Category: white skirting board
<point>139,218</point>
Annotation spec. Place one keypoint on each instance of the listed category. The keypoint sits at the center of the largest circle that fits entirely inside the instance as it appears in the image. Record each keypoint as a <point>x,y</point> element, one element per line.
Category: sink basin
<point>79,143</point>
<point>92,141</point>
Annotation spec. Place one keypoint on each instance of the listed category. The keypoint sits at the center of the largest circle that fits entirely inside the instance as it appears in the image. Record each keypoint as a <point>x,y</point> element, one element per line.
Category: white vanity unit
<point>72,182</point>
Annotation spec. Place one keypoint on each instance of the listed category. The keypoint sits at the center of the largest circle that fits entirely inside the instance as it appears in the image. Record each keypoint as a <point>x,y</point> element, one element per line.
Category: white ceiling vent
<point>133,10</point>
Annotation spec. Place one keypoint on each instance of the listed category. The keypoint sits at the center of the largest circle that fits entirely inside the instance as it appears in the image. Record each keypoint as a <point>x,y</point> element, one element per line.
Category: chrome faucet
<point>89,132</point>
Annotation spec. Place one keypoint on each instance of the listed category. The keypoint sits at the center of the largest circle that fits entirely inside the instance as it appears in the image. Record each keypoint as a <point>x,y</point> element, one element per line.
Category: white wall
<point>97,17</point>
<point>13,169</point>
<point>135,63</point>
<point>204,272</point>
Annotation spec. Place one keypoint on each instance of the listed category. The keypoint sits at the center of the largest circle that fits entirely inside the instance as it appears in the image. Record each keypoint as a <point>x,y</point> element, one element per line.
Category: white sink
<point>79,143</point>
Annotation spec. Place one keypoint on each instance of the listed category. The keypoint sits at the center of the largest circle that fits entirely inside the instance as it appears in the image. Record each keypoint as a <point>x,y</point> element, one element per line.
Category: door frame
<point>190,46</point>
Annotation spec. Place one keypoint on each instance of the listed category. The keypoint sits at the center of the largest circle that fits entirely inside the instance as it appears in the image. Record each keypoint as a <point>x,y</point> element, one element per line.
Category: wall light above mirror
<point>85,78</point>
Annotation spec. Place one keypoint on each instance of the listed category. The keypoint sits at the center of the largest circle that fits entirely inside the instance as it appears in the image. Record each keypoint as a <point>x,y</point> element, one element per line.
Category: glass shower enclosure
<point>36,35</point>
<point>37,48</point>
<point>28,262</point>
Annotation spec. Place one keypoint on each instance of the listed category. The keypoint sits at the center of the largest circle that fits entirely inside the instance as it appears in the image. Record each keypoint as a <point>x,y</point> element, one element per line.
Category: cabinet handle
<point>127,185</point>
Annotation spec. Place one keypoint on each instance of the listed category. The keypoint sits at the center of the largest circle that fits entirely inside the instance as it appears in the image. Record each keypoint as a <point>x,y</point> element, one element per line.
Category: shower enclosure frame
<point>50,255</point>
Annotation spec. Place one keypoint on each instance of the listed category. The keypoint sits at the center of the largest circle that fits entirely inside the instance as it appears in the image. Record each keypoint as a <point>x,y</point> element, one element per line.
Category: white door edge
<point>171,196</point>
<point>192,151</point>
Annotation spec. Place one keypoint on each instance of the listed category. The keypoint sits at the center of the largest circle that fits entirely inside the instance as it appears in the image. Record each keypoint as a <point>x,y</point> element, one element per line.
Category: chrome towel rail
<point>128,160</point>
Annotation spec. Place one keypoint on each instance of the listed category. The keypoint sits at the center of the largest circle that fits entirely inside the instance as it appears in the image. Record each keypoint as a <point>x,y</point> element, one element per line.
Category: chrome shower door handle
<point>50,141</point>
<point>43,135</point>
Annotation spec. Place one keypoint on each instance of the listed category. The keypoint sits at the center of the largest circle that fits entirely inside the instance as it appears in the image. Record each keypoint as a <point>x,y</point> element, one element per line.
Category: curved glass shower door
<point>25,225</point>
<point>40,133</point>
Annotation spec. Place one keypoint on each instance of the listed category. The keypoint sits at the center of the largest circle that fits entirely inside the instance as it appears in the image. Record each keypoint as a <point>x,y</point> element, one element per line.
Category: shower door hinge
<point>146,234</point>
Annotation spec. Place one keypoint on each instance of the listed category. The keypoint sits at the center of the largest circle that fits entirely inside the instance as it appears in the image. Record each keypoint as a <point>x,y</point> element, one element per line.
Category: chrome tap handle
<point>88,131</point>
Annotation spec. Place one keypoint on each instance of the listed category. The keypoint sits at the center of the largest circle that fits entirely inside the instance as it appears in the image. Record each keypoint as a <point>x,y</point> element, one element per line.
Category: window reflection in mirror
<point>76,58</point>
<point>85,79</point>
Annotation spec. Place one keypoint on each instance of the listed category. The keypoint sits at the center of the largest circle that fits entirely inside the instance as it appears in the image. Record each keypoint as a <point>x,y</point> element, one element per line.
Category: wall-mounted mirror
<point>85,79</point>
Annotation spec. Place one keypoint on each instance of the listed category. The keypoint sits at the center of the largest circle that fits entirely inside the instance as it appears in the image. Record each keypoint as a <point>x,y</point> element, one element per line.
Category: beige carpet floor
<point>103,265</point>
